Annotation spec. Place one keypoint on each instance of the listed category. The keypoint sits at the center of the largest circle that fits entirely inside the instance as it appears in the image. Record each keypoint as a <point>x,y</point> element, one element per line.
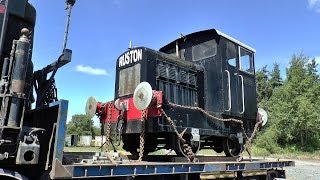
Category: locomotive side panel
<point>206,52</point>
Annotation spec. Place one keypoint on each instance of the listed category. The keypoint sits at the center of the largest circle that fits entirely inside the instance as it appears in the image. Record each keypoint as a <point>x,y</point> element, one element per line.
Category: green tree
<point>264,89</point>
<point>294,107</point>
<point>267,82</point>
<point>80,124</point>
<point>97,131</point>
<point>275,77</point>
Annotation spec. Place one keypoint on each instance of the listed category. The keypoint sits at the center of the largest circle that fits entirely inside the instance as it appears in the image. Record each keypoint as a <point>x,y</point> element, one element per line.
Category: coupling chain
<point>108,130</point>
<point>186,147</point>
<point>247,146</point>
<point>142,134</point>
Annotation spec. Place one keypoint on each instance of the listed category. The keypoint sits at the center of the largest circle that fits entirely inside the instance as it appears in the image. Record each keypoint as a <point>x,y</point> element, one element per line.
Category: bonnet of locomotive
<point>229,80</point>
<point>179,82</point>
<point>159,70</point>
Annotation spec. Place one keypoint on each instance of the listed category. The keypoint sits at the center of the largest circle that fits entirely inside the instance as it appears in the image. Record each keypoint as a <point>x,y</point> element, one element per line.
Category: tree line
<point>81,125</point>
<point>292,100</point>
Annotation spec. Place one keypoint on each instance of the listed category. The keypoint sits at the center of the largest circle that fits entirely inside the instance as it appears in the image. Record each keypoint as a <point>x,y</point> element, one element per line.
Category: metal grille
<point>183,76</point>
<point>129,79</point>
<point>177,83</point>
<point>172,73</point>
<point>192,79</point>
<point>162,72</point>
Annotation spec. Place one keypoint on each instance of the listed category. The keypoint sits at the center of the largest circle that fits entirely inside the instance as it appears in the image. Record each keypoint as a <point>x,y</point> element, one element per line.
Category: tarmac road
<point>305,170</point>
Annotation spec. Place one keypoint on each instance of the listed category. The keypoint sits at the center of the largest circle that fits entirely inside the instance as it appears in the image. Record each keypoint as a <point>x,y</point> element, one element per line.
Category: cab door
<point>247,103</point>
<point>230,82</point>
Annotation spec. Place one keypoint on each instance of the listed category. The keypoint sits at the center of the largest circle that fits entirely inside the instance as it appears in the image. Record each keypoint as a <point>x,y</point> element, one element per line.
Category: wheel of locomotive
<point>179,146</point>
<point>232,147</point>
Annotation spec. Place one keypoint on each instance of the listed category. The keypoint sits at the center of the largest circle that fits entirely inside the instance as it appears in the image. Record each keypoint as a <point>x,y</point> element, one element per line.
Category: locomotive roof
<point>209,31</point>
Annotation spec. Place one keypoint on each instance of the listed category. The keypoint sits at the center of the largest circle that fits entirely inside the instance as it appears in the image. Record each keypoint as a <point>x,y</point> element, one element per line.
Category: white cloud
<point>91,70</point>
<point>314,5</point>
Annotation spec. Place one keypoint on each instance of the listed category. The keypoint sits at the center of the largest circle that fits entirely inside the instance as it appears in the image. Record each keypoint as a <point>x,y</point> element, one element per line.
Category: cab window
<point>246,60</point>
<point>231,53</point>
<point>204,50</point>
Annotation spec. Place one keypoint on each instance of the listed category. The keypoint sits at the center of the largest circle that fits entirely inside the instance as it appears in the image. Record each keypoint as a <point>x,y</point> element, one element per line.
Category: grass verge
<point>286,153</point>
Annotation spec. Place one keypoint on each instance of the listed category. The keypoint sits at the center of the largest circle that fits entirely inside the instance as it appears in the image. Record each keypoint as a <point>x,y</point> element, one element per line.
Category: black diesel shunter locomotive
<point>203,79</point>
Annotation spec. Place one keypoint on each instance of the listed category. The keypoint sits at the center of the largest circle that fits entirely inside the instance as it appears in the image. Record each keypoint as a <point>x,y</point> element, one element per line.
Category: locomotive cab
<point>229,66</point>
<point>203,87</point>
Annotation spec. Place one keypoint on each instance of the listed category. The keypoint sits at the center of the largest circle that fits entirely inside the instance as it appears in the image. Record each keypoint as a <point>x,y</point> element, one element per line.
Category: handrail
<point>242,88</point>
<point>229,91</point>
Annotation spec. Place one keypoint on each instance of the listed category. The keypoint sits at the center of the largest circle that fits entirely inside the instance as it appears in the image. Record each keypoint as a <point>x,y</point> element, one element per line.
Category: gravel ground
<point>305,170</point>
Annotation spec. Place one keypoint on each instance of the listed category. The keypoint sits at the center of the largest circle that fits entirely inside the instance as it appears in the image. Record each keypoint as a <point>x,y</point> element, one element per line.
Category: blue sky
<point>101,30</point>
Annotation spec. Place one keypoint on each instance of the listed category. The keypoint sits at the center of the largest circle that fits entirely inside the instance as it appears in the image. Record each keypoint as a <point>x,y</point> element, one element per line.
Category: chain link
<point>247,146</point>
<point>186,148</point>
<point>108,130</point>
<point>142,134</point>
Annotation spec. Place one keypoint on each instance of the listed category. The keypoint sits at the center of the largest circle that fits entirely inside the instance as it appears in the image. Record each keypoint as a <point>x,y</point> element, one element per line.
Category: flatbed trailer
<point>77,165</point>
<point>263,169</point>
<point>96,165</point>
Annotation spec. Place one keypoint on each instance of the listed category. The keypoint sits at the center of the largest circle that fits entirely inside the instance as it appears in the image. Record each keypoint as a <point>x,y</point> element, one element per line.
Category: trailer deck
<point>132,168</point>
<point>91,165</point>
